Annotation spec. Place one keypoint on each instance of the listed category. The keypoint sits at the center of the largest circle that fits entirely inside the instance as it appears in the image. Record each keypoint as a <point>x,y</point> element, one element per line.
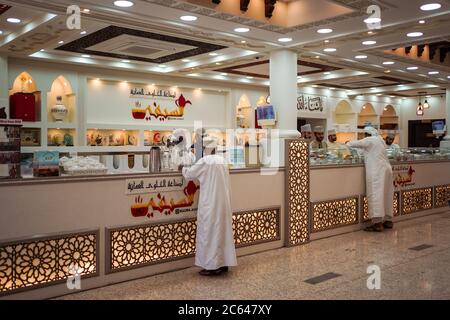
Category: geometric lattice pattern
<point>396,207</point>
<point>139,246</point>
<point>297,192</point>
<point>441,196</point>
<point>333,214</point>
<point>43,261</point>
<point>417,200</point>
<point>256,227</point>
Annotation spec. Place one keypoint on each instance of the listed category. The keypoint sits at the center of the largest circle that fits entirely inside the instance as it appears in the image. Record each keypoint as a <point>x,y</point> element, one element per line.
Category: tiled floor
<point>281,274</point>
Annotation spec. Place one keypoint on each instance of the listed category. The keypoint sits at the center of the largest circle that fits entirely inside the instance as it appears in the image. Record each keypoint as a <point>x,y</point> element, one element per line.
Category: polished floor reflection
<point>414,260</point>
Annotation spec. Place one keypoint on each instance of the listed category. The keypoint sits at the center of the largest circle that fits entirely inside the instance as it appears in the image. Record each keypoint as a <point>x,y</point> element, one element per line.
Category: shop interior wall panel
<point>138,246</point>
<point>332,214</point>
<point>297,192</point>
<point>441,196</point>
<point>48,260</point>
<point>416,200</point>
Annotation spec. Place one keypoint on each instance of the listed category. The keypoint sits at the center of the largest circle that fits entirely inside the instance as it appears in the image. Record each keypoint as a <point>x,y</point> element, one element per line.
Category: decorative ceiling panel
<point>4,8</point>
<point>84,44</point>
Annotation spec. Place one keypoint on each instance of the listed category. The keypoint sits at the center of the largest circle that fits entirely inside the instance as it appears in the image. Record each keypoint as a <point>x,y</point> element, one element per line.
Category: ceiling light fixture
<point>123,3</point>
<point>241,30</point>
<point>361,57</point>
<point>329,50</point>
<point>433,72</point>
<point>422,21</point>
<point>325,30</point>
<point>430,6</point>
<point>369,42</point>
<point>370,32</point>
<point>326,41</point>
<point>414,34</point>
<point>327,73</point>
<point>1,32</point>
<point>249,77</point>
<point>126,61</point>
<point>412,68</point>
<point>61,42</point>
<point>86,56</point>
<point>189,18</point>
<point>86,10</point>
<point>285,40</point>
<point>388,63</point>
<point>83,32</point>
<point>372,20</point>
<point>14,20</point>
<point>224,74</point>
<point>185,60</point>
<point>243,41</point>
<point>213,54</point>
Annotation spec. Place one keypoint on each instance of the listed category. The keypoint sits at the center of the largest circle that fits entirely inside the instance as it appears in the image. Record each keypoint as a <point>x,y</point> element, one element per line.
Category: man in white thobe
<point>379,185</point>
<point>215,250</point>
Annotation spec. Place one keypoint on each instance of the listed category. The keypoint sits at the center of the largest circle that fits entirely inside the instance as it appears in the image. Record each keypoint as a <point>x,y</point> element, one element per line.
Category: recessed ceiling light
<point>213,54</point>
<point>218,64</point>
<point>86,10</point>
<point>369,42</point>
<point>361,57</point>
<point>378,94</point>
<point>1,32</point>
<point>387,71</point>
<point>430,6</point>
<point>370,32</point>
<point>241,30</point>
<point>373,88</point>
<point>185,60</point>
<point>249,77</point>
<point>85,56</point>
<point>317,57</point>
<point>162,66</point>
<point>415,34</point>
<point>61,42</point>
<point>326,41</point>
<point>189,18</point>
<point>412,68</point>
<point>329,49</point>
<point>83,32</point>
<point>193,74</point>
<point>126,61</point>
<point>42,50</point>
<point>243,41</point>
<point>123,3</point>
<point>325,30</point>
<point>422,21</point>
<point>372,20</point>
<point>433,72</point>
<point>285,40</point>
<point>388,63</point>
<point>14,20</point>
<point>448,77</point>
<point>327,73</point>
<point>224,74</point>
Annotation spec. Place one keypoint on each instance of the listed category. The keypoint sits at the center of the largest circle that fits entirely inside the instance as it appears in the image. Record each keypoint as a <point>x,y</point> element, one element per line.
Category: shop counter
<point>114,228</point>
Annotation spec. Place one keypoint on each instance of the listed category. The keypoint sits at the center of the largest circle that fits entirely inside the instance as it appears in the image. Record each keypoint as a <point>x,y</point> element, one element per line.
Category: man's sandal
<point>377,227</point>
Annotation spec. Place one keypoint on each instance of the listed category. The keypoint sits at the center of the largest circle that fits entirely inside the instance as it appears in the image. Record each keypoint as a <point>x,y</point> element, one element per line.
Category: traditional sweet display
<point>82,166</point>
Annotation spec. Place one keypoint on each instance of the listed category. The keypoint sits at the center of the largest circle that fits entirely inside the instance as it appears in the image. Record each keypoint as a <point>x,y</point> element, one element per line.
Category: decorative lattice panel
<point>441,196</point>
<point>139,246</point>
<point>365,207</point>
<point>37,262</point>
<point>250,228</point>
<point>333,214</point>
<point>417,200</point>
<point>297,192</point>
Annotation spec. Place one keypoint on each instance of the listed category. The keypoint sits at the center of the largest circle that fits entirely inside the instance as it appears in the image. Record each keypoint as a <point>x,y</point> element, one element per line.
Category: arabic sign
<point>159,111</point>
<point>306,103</point>
<point>159,197</point>
<point>151,94</point>
<point>403,176</point>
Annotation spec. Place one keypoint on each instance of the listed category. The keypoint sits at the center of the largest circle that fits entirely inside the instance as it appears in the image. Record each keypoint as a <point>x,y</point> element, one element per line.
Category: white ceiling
<point>349,31</point>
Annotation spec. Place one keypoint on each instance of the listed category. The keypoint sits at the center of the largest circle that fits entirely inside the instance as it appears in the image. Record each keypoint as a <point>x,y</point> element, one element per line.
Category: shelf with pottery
<point>389,119</point>
<point>61,102</point>
<point>367,115</point>
<point>344,120</point>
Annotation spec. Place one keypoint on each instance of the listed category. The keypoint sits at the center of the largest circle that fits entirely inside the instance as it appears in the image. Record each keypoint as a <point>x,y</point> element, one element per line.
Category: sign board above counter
<point>311,106</point>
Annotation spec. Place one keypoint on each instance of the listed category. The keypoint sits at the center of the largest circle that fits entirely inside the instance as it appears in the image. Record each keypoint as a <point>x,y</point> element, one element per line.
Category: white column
<point>283,96</point>
<point>4,95</point>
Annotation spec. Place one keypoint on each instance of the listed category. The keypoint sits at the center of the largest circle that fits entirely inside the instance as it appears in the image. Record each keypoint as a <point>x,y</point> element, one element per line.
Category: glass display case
<point>322,157</point>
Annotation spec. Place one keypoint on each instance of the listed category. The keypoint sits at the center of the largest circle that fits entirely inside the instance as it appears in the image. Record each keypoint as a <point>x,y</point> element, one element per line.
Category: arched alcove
<point>367,115</point>
<point>24,82</point>
<point>62,88</point>
<point>244,112</point>
<point>22,105</point>
<point>344,121</point>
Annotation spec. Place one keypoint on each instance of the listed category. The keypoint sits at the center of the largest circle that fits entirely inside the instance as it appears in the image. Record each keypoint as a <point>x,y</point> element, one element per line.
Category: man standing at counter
<point>339,149</point>
<point>307,132</point>
<point>390,142</point>
<point>379,188</point>
<point>215,250</point>
<point>319,144</point>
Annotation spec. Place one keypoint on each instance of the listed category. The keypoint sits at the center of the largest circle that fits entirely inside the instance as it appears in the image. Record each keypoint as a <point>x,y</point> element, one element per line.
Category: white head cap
<point>319,129</point>
<point>391,135</point>
<point>371,130</point>
<point>331,132</point>
<point>306,128</point>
